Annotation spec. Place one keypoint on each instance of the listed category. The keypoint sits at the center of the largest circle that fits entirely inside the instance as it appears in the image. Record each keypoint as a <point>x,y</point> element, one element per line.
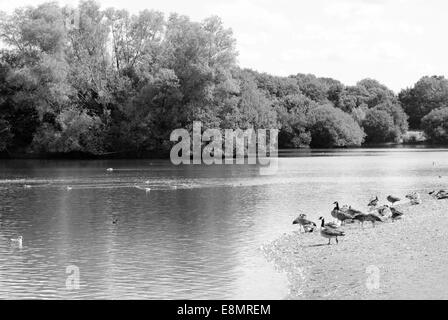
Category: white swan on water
<point>110,169</point>
<point>17,240</point>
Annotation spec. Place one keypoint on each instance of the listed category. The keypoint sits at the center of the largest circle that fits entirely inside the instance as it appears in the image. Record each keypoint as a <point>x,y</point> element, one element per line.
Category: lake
<point>197,234</point>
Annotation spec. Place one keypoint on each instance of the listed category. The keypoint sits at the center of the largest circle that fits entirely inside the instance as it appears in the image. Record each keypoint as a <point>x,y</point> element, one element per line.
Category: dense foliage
<point>105,80</point>
<point>332,127</point>
<point>428,94</point>
<point>435,125</point>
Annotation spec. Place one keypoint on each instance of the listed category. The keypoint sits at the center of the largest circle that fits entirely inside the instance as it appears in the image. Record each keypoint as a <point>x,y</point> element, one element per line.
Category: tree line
<point>106,81</point>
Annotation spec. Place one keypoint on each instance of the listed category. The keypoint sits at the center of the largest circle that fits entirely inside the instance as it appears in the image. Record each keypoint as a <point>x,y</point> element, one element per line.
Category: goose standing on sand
<point>439,195</point>
<point>396,215</point>
<point>374,202</point>
<point>353,212</point>
<point>414,198</point>
<point>384,211</point>
<point>304,224</point>
<point>393,199</point>
<point>339,214</point>
<point>331,225</point>
<point>367,217</point>
<point>330,233</point>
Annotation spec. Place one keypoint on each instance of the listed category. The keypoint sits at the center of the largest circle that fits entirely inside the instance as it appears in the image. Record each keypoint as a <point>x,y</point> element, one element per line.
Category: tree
<point>435,126</point>
<point>400,118</point>
<point>312,87</point>
<point>5,134</point>
<point>378,126</point>
<point>331,127</point>
<point>428,94</point>
<point>75,131</point>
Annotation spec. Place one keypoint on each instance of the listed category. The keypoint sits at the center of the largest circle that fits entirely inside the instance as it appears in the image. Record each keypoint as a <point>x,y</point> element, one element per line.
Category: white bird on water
<point>69,188</point>
<point>17,240</point>
<point>147,189</point>
<point>110,169</point>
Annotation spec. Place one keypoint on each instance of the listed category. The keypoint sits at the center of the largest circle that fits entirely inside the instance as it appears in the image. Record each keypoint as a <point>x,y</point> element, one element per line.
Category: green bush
<point>378,126</point>
<point>332,127</point>
<point>435,125</point>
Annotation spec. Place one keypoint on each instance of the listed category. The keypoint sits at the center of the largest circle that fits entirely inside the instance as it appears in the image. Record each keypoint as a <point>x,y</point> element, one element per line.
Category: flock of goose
<point>346,214</point>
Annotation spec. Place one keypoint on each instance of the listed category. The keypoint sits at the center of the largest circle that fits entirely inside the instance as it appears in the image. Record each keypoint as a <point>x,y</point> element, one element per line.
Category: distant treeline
<point>103,81</point>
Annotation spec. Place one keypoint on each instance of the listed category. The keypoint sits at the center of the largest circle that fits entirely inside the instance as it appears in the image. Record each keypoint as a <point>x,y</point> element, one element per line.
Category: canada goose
<point>384,211</point>
<point>352,212</point>
<point>17,240</point>
<point>367,217</point>
<point>393,199</point>
<point>304,223</point>
<point>334,212</point>
<point>396,214</point>
<point>414,198</point>
<point>340,214</point>
<point>439,195</point>
<point>330,233</point>
<point>332,225</point>
<point>374,202</point>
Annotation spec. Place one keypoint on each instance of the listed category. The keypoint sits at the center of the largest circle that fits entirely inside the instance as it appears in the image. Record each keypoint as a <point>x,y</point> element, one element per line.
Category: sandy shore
<point>407,259</point>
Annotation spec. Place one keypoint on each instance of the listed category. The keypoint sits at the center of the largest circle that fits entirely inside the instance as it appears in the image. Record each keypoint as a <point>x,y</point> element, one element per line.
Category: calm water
<point>196,234</point>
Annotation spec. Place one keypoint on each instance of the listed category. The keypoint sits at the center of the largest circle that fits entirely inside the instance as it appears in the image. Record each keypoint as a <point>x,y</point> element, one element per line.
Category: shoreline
<point>165,155</point>
<point>409,255</point>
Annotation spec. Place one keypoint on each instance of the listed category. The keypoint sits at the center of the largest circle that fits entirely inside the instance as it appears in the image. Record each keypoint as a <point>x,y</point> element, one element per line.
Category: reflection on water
<point>196,234</point>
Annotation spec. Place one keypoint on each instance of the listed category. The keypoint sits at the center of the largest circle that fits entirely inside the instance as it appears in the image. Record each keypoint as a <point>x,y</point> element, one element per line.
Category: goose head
<point>323,222</point>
